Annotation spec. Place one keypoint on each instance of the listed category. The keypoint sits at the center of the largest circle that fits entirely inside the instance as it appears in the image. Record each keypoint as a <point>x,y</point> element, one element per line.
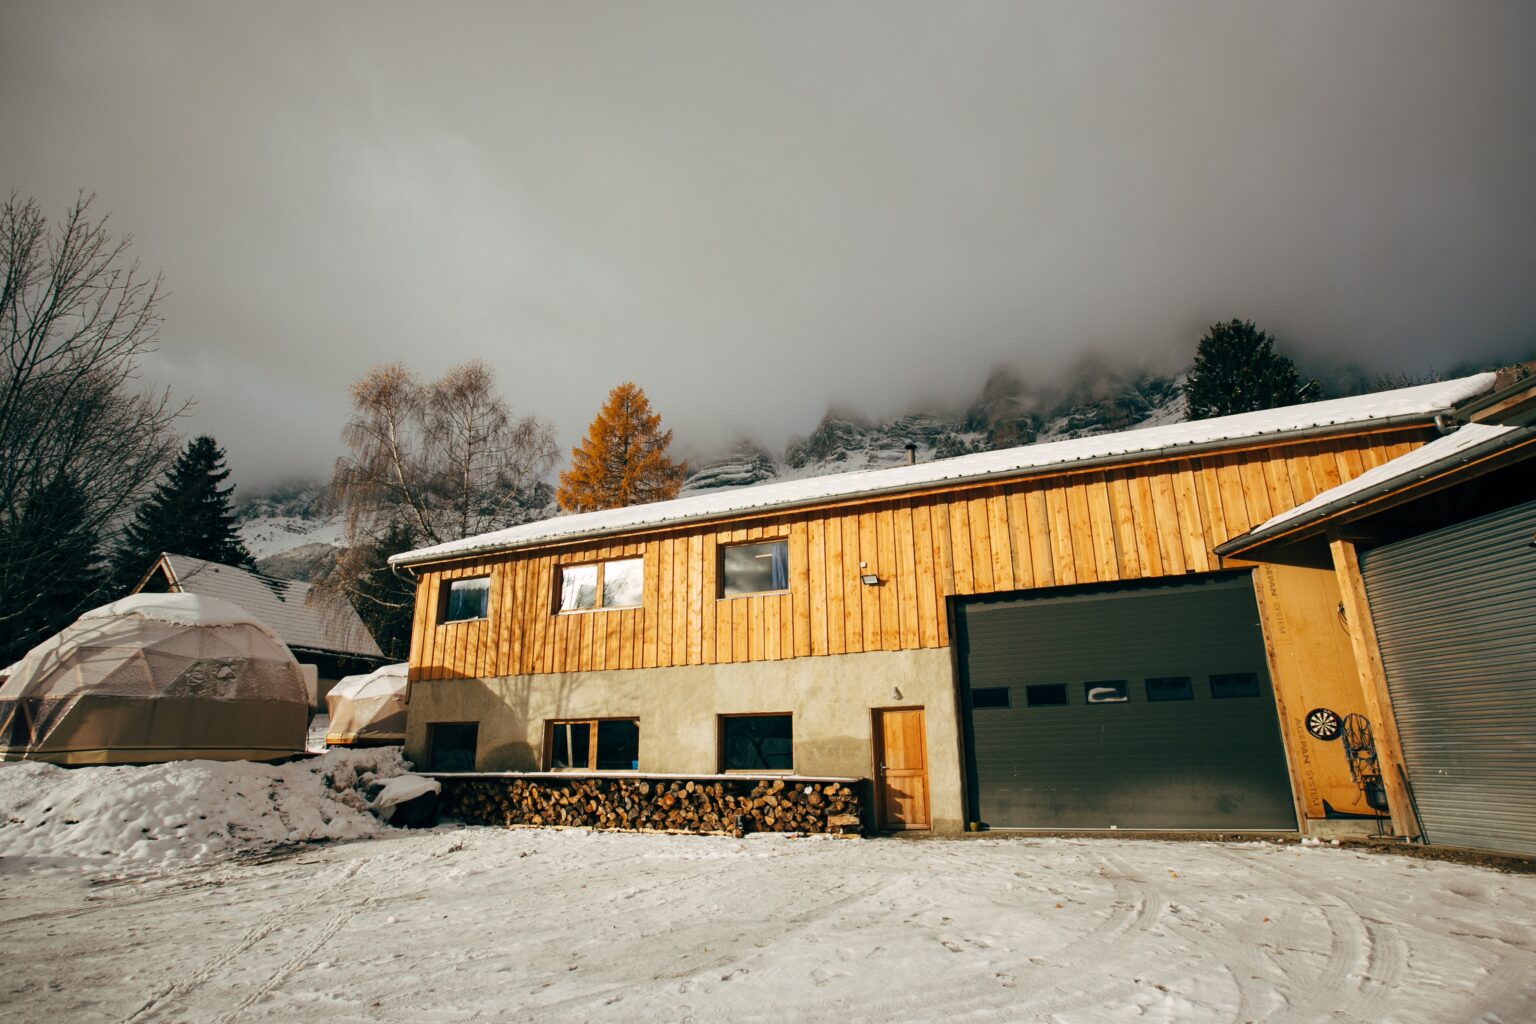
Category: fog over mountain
<point>760,211</point>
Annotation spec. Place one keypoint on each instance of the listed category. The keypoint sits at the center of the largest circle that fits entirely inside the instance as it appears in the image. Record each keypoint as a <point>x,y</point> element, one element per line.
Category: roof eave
<point>1426,480</point>
<point>1171,451</point>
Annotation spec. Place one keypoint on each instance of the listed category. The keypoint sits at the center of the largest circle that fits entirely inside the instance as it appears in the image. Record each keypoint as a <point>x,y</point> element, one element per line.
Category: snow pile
<point>186,812</point>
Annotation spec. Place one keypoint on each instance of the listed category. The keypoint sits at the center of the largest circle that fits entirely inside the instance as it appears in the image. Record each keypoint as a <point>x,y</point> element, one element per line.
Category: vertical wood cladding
<point>1130,522</point>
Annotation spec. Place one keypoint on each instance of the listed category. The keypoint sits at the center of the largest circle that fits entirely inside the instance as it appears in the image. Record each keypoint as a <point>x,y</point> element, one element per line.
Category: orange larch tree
<point>623,459</point>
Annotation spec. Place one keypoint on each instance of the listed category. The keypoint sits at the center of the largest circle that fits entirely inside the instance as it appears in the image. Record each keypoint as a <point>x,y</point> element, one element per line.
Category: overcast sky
<point>753,210</point>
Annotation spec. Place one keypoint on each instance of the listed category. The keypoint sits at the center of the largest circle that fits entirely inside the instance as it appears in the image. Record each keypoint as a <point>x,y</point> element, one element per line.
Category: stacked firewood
<point>733,806</point>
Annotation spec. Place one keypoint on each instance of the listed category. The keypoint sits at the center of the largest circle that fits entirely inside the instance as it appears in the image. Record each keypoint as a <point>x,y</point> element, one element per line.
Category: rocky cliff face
<point>1009,412</point>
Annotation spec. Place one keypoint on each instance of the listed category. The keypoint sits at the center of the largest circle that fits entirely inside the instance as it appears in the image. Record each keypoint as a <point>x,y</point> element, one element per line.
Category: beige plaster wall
<point>831,698</point>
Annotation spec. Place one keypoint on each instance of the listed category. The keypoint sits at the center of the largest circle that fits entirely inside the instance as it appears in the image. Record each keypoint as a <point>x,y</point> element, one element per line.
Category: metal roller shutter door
<point>1198,762</point>
<point>1455,614</point>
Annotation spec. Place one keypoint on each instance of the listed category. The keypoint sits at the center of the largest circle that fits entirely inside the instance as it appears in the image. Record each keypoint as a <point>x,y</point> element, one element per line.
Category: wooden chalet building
<point>1056,636</point>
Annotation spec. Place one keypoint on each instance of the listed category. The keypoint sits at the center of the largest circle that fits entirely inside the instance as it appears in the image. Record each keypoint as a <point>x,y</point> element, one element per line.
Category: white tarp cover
<point>368,708</point>
<point>155,677</point>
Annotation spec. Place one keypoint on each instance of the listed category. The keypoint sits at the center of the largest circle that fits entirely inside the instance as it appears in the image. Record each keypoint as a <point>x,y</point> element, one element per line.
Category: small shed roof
<point>286,606</point>
<point>1415,404</point>
<point>1471,443</point>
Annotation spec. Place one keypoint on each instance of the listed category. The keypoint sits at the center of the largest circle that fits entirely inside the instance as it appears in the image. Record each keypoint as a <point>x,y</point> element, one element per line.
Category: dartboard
<point>1324,724</point>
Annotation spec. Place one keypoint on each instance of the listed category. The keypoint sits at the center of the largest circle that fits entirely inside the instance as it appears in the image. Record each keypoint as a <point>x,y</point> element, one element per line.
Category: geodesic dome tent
<point>155,677</point>
<point>367,710</point>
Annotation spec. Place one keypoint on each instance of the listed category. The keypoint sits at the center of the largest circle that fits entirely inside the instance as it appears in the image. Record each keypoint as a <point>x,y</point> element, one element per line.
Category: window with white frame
<point>618,583</point>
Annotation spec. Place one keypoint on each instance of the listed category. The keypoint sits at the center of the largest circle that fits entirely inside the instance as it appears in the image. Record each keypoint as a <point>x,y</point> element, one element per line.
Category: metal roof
<point>288,607</point>
<point>1406,405</point>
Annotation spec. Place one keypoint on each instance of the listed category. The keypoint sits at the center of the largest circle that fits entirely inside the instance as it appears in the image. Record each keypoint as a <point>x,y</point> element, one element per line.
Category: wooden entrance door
<point>901,768</point>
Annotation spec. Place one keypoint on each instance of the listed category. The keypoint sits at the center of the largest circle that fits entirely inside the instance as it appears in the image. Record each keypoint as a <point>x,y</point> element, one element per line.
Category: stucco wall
<point>831,699</point>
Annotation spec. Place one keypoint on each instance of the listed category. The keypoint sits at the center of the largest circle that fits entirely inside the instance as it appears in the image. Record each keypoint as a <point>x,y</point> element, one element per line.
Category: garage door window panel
<point>1106,691</point>
<point>1046,695</point>
<point>1166,688</point>
<point>1234,685</point>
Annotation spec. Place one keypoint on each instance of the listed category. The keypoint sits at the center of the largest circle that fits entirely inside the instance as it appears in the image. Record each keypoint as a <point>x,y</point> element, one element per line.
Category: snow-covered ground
<point>531,925</point>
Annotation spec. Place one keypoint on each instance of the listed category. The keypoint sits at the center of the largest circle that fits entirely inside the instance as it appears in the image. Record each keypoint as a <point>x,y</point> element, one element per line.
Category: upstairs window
<point>754,568</point>
<point>467,599</point>
<point>614,584</point>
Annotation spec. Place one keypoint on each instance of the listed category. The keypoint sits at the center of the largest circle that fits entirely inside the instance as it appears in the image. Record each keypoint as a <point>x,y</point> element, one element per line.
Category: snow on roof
<point>284,605</point>
<point>381,682</point>
<point>1406,404</point>
<point>1469,442</point>
<point>179,610</point>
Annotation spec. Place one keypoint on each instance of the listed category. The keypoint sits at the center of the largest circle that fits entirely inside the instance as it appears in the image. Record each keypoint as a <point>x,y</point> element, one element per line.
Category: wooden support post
<point>1373,685</point>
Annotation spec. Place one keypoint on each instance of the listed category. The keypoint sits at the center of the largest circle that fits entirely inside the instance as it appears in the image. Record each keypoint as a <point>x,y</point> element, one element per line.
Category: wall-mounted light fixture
<point>869,579</point>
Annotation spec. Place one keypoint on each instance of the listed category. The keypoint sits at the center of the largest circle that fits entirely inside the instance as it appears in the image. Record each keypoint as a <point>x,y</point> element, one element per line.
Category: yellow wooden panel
<point>816,583</point>
<point>682,604</point>
<point>853,600</point>
<point>960,546</point>
<point>667,595</point>
<point>695,599</point>
<point>905,531</point>
<point>981,543</point>
<point>1042,558</point>
<point>1127,546</point>
<point>1197,542</point>
<point>1060,518</point>
<point>1081,531</point>
<point>926,575</point>
<point>837,615</point>
<point>869,555</point>
<point>1101,524</point>
<point>1000,541</point>
<point>709,564</point>
<point>890,597</point>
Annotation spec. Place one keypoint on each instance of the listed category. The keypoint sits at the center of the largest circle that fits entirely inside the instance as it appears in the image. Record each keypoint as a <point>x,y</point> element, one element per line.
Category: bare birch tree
<point>428,462</point>
<point>79,444</point>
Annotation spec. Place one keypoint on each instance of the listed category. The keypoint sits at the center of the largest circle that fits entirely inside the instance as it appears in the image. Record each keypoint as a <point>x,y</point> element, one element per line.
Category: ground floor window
<point>451,746</point>
<point>757,743</point>
<point>593,744</point>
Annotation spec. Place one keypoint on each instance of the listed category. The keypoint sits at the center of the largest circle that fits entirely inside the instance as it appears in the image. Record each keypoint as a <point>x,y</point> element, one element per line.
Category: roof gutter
<point>1302,434</point>
<point>1323,513</point>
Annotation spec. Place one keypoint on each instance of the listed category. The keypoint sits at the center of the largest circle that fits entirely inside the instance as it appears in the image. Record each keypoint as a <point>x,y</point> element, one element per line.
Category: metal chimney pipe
<point>911,454</point>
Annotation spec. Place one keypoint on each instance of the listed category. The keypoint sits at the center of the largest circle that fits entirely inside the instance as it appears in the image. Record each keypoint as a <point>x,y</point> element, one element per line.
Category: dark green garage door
<point>1131,707</point>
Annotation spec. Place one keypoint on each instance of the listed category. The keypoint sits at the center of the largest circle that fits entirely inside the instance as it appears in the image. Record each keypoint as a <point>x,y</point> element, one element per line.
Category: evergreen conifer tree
<point>623,460</point>
<point>50,592</point>
<point>188,514</point>
<point>1238,370</point>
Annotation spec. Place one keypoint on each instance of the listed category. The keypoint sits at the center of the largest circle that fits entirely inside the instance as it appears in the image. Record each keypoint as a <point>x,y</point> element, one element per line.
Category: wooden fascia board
<point>639,534</point>
<point>173,585</point>
<point>1333,521</point>
<point>1373,686</point>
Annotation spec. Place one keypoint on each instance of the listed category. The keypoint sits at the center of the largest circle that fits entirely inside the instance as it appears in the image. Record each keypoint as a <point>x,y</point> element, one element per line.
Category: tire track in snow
<point>208,968</point>
<point>1340,989</point>
<point>400,868</point>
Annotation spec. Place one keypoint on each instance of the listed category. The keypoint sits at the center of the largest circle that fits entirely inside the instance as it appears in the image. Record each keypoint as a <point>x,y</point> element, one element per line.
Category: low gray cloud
<point>755,210</point>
